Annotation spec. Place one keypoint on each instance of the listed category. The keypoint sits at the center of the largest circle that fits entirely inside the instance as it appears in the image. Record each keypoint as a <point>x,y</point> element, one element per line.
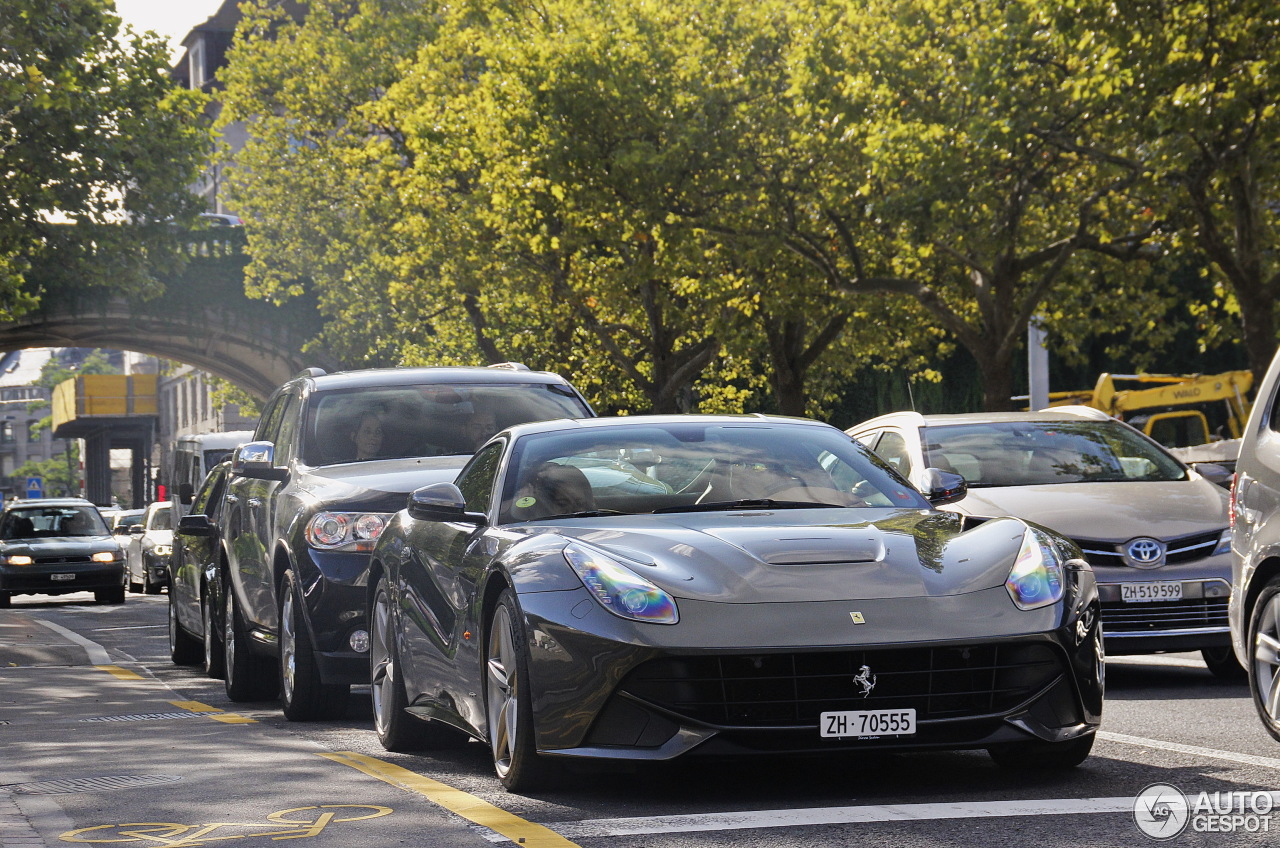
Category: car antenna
<point>911,395</point>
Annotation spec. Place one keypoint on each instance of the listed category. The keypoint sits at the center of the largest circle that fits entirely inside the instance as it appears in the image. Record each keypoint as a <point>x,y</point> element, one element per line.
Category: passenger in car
<point>367,437</point>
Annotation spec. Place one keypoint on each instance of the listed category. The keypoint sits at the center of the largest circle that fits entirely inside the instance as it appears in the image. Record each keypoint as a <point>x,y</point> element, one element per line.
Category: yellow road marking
<point>233,718</point>
<point>456,801</point>
<point>122,673</point>
<point>214,713</point>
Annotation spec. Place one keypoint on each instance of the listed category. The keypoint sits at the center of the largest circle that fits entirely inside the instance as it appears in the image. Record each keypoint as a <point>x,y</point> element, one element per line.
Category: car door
<point>439,577</point>
<point>194,555</point>
<point>252,525</point>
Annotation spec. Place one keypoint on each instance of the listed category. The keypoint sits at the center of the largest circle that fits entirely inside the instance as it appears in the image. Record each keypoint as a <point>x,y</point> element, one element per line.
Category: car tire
<point>4,600</point>
<point>1223,664</point>
<point>114,595</point>
<point>397,729</point>
<point>509,703</point>
<point>302,694</point>
<point>214,658</point>
<point>1264,648</point>
<point>149,586</point>
<point>1042,756</point>
<point>184,649</point>
<point>248,677</point>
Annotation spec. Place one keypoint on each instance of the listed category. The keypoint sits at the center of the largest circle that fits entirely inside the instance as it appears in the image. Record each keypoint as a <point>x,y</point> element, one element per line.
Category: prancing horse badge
<point>857,618</point>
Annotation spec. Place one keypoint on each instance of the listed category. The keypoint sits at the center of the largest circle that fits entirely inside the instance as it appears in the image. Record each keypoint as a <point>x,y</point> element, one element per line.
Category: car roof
<point>432,374</point>
<point>916,419</point>
<point>634,420</point>
<point>36,502</point>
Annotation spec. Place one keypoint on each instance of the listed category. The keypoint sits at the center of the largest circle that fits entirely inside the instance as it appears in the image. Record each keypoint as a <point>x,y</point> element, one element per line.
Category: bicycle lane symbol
<point>174,835</point>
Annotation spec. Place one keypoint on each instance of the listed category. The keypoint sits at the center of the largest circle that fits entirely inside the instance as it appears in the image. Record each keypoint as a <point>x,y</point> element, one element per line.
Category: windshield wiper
<point>586,513</point>
<point>748,503</point>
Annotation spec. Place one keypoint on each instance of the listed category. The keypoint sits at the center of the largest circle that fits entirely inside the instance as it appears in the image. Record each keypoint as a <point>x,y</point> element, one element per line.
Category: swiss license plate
<point>1139,593</point>
<point>62,577</point>
<point>868,723</point>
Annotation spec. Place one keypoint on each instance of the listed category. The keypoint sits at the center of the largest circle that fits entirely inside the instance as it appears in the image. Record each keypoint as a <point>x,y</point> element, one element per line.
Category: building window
<point>195,66</point>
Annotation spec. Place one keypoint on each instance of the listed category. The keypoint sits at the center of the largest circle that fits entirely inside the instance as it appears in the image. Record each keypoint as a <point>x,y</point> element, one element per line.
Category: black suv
<point>333,458</point>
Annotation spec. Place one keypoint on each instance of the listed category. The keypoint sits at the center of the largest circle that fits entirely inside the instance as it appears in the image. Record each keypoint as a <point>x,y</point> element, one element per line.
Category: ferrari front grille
<point>793,689</point>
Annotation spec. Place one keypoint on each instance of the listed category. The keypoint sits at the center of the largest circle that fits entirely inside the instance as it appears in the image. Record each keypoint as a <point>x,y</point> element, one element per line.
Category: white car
<point>149,549</point>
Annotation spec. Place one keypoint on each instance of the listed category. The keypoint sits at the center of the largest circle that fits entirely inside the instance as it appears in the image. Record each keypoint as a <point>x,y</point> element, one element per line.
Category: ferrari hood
<point>808,555</point>
<point>1109,512</point>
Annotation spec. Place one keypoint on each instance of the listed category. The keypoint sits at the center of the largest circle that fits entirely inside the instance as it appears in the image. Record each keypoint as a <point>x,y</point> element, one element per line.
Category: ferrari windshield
<point>673,467</point>
<point>1034,453</point>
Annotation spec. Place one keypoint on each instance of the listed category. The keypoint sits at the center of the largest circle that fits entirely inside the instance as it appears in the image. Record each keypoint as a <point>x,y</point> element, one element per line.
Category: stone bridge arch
<point>203,318</point>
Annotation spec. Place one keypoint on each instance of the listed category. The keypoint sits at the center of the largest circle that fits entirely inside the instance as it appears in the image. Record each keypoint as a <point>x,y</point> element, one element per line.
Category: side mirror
<point>1214,473</point>
<point>442,502</point>
<point>944,487</point>
<point>196,525</point>
<point>258,461</point>
<point>186,493</point>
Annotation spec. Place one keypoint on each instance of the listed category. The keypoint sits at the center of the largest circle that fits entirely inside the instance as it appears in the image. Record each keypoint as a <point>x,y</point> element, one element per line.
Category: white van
<point>193,457</point>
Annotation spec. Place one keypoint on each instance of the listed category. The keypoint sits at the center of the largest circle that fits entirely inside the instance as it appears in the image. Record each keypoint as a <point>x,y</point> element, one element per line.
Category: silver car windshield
<point>689,467</point>
<point>1031,453</point>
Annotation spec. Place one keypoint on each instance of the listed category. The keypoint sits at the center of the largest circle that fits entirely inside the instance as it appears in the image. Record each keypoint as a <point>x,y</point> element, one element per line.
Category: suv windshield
<point>49,521</point>
<point>432,419</point>
<point>692,467</point>
<point>1033,453</point>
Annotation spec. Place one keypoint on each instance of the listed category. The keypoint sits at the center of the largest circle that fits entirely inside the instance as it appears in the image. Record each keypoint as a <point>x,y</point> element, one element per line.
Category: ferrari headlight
<point>350,531</point>
<point>620,590</point>
<point>1036,579</point>
<point>162,550</point>
<point>19,559</point>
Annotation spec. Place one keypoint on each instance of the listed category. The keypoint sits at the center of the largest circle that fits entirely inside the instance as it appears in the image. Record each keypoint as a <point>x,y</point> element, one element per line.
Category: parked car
<point>149,548</point>
<point>1255,551</point>
<point>54,546</point>
<point>334,457</point>
<point>647,588</point>
<point>119,521</point>
<point>195,578</point>
<point>1154,530</point>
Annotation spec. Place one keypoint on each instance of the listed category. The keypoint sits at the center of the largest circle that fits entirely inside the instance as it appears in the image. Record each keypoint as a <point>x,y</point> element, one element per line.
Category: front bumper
<point>156,568</point>
<point>1198,620</point>
<point>334,597</point>
<point>60,579</point>
<point>980,673</point>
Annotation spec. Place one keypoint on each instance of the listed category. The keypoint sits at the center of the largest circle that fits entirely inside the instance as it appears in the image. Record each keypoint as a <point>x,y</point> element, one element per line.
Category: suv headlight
<point>346,531</point>
<point>620,590</point>
<point>1036,579</point>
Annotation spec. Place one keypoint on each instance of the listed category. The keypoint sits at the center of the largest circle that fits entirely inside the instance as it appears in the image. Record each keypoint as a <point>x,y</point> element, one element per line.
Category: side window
<point>476,480</point>
<point>867,439</point>
<point>287,435</point>
<point>892,448</point>
<point>210,493</point>
<point>269,424</point>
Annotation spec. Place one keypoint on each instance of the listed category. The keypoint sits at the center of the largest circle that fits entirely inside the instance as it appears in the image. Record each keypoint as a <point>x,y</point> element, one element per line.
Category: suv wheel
<point>302,694</point>
<point>214,656</point>
<point>248,677</point>
<point>1264,670</point>
<point>184,649</point>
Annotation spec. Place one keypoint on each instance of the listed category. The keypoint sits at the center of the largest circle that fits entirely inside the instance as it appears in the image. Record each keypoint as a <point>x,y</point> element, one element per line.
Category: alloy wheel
<point>501,688</point>
<point>288,647</point>
<point>1266,658</point>
<point>381,663</point>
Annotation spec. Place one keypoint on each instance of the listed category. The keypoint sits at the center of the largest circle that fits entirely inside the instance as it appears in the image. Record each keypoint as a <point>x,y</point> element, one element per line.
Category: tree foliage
<point>93,133</point>
<point>710,204</point>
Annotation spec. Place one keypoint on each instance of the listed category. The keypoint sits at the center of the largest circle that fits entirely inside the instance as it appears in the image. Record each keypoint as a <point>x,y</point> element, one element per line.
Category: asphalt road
<point>104,741</point>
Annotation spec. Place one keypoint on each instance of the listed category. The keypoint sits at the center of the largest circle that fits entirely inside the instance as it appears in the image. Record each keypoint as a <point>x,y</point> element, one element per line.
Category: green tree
<point>1202,82</point>
<point>93,133</point>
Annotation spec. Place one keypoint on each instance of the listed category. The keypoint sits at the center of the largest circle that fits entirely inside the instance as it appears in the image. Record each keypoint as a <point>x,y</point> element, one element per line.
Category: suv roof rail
<point>311,372</point>
<point>510,366</point>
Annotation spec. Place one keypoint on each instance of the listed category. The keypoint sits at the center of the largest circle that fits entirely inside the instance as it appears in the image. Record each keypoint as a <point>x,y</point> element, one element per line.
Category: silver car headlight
<point>346,531</point>
<point>620,590</point>
<point>1036,579</point>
